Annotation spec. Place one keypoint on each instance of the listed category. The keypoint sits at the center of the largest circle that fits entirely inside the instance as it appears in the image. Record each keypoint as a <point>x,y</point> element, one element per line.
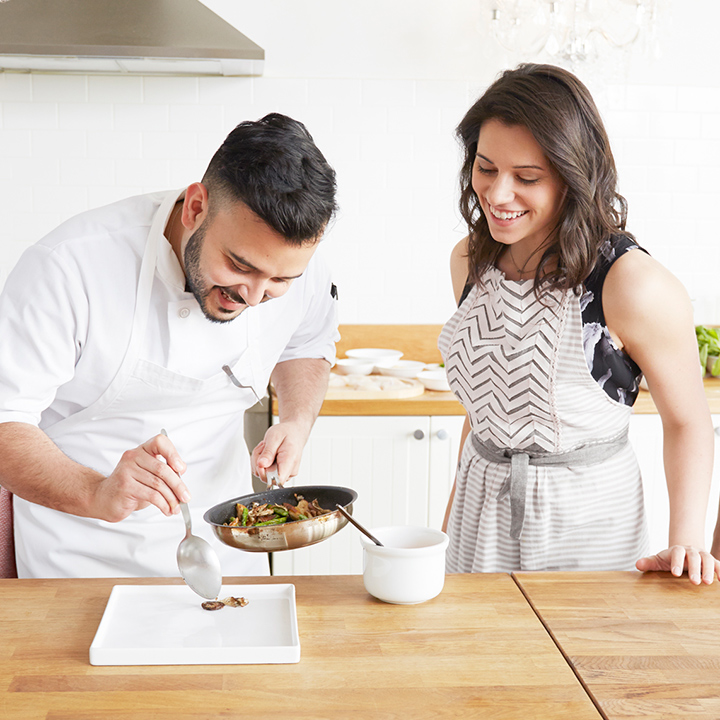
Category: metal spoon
<point>358,525</point>
<point>198,563</point>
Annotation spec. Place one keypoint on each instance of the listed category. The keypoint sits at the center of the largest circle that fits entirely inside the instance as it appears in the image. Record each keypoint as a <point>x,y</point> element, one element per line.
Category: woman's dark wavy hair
<point>274,167</point>
<point>561,115</point>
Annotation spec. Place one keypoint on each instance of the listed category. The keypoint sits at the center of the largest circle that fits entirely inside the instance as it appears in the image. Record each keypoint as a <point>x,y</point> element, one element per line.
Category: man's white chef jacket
<point>66,315</point>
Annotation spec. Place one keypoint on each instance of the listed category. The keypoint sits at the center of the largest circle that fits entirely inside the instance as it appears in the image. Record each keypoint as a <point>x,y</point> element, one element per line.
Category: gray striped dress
<point>517,364</point>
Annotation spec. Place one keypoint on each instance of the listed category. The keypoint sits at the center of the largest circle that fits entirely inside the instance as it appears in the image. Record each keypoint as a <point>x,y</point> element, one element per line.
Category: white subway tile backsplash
<point>425,124</point>
<point>640,151</point>
<point>661,178</point>
<point>165,145</point>
<point>15,87</point>
<point>278,92</point>
<point>388,93</point>
<point>136,116</point>
<point>87,171</point>
<point>332,92</point>
<point>627,123</point>
<point>85,116</point>
<point>655,98</point>
<point>194,118</point>
<point>59,88</point>
<point>386,147</point>
<point>184,171</point>
<point>701,99</point>
<point>59,143</point>
<point>225,90</point>
<point>68,143</point>
<point>676,125</point>
<point>143,172</point>
<point>442,93</point>
<point>614,97</point>
<point>166,90</point>
<point>29,171</point>
<point>65,200</point>
<point>361,120</point>
<point>16,201</point>
<point>14,143</point>
<point>114,144</point>
<point>208,143</point>
<point>710,126</point>
<point>115,89</point>
<point>29,116</point>
<point>634,178</point>
<point>701,152</point>
<point>101,195</point>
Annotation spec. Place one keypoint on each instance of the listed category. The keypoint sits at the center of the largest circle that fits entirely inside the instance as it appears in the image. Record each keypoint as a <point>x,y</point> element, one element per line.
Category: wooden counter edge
<point>445,403</point>
<point>644,404</point>
<point>429,403</point>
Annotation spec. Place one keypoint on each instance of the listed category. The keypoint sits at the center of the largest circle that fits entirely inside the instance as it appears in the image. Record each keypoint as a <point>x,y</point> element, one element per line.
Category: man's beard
<point>196,283</point>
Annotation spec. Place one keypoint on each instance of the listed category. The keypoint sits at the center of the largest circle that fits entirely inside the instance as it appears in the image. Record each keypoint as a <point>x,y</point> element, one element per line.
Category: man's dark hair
<point>273,166</point>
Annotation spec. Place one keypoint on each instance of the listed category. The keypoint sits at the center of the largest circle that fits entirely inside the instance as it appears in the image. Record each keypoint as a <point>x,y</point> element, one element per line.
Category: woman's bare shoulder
<point>459,267</point>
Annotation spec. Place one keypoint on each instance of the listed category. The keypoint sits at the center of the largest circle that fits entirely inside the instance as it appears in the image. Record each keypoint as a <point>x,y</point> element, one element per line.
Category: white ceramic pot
<point>410,566</point>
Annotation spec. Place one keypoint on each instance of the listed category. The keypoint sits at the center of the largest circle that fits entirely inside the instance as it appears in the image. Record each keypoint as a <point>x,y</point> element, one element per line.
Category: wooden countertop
<point>644,403</point>
<point>476,651</point>
<point>419,342</point>
<point>646,646</point>
<point>445,403</point>
<point>571,646</point>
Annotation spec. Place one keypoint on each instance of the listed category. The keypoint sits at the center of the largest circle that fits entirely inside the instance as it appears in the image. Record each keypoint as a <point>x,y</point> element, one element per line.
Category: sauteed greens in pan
<point>261,514</point>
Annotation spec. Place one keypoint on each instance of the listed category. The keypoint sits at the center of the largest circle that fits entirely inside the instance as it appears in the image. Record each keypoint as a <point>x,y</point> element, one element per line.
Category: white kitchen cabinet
<point>646,437</point>
<point>402,469</point>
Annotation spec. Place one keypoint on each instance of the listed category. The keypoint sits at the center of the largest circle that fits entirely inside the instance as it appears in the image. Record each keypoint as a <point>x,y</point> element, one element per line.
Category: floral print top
<point>613,369</point>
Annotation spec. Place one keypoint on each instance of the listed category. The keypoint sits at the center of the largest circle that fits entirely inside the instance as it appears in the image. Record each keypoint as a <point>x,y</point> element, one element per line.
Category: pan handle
<point>273,479</point>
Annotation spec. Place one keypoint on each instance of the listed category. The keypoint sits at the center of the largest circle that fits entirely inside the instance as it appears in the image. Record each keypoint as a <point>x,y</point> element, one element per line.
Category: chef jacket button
<point>184,312</point>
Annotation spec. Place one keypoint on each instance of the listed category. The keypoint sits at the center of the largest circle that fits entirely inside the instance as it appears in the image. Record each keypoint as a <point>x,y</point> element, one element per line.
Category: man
<point>166,311</point>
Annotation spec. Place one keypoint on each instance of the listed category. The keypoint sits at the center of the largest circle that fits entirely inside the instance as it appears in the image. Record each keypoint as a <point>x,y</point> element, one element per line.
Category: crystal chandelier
<point>572,32</point>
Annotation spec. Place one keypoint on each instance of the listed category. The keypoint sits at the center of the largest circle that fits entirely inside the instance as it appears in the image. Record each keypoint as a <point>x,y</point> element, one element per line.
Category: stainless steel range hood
<point>145,37</point>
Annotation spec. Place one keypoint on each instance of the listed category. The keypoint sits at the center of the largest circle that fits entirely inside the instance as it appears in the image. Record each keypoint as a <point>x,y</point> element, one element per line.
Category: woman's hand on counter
<point>701,566</point>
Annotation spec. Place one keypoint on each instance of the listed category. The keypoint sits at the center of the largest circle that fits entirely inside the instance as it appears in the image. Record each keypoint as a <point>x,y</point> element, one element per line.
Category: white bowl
<point>403,369</point>
<point>434,379</point>
<point>409,568</point>
<point>354,366</point>
<point>380,357</point>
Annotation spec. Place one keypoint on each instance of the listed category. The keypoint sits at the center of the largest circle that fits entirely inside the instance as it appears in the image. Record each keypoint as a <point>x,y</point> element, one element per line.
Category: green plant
<point>708,346</point>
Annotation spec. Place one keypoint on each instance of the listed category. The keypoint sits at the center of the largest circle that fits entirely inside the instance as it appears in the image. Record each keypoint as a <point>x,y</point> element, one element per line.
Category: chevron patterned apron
<point>516,363</point>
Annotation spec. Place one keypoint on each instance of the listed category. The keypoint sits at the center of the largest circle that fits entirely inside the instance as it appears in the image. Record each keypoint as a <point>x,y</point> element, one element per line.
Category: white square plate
<point>166,625</point>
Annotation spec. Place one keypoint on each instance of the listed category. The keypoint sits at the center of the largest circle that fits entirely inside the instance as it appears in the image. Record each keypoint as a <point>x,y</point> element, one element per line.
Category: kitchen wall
<point>381,85</point>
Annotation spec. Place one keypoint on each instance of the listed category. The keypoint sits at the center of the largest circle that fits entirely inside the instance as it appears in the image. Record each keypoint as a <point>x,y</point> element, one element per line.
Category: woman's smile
<point>520,192</point>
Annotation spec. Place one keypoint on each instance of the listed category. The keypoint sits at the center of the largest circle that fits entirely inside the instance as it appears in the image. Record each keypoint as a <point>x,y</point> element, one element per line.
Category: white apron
<point>566,493</point>
<point>204,420</point>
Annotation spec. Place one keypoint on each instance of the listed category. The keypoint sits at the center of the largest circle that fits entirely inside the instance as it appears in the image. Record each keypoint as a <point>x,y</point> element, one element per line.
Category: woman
<point>560,314</point>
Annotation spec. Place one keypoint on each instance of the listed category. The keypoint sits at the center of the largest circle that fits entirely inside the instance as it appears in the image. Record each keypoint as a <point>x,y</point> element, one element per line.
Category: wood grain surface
<point>476,651</point>
<point>646,646</point>
<point>407,388</point>
<point>416,342</point>
<point>645,404</point>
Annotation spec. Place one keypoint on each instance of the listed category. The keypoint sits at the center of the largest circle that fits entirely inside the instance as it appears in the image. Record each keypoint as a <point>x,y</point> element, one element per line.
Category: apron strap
<point>520,460</point>
<point>139,325</point>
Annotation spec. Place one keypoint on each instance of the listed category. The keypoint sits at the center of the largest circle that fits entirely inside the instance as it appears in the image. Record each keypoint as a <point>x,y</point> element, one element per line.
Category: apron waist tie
<point>520,460</point>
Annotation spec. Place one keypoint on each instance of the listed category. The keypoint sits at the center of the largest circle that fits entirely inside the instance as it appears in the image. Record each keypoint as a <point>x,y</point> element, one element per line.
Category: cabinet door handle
<point>442,434</point>
<point>418,434</point>
<point>717,430</point>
